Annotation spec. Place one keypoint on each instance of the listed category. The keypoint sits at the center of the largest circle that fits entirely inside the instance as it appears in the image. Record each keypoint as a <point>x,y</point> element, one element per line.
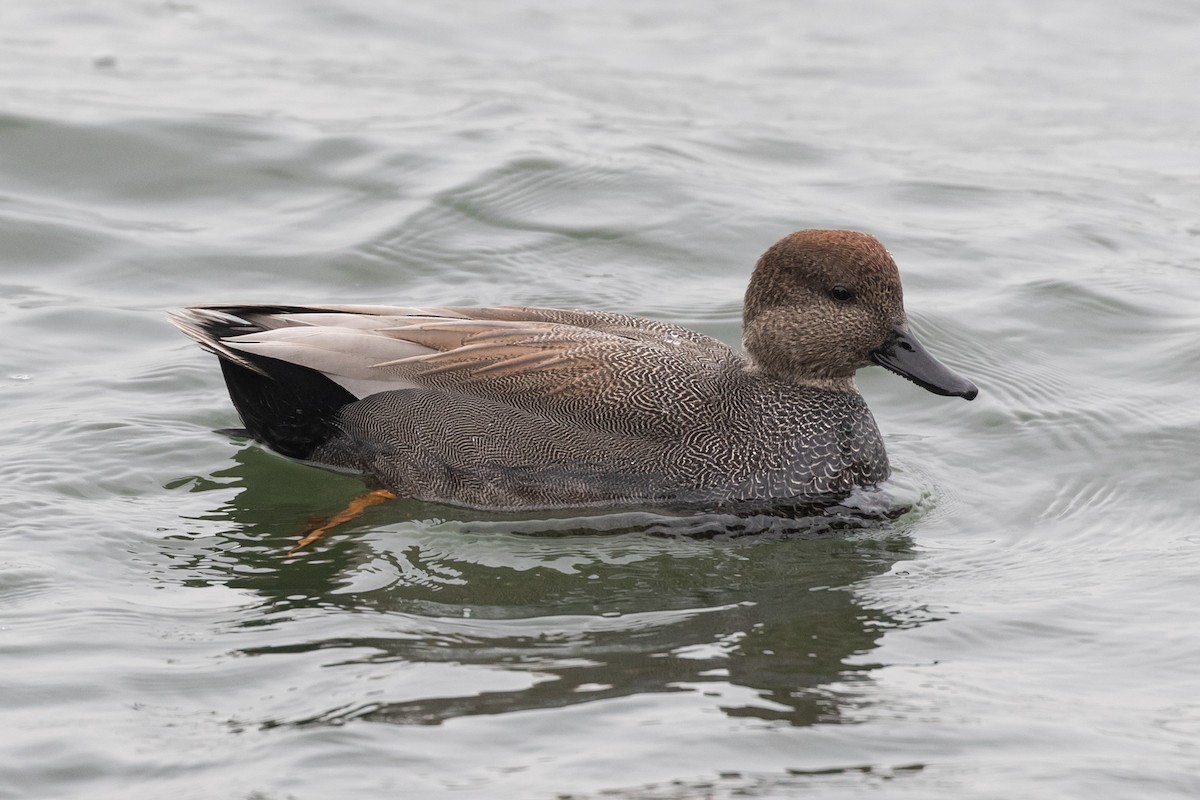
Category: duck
<point>516,408</point>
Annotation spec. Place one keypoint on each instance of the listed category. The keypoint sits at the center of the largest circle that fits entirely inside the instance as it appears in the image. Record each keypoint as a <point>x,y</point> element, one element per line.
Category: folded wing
<point>597,369</point>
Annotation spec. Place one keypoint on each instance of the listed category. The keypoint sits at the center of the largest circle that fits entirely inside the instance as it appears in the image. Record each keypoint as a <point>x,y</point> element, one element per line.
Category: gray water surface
<point>1027,629</point>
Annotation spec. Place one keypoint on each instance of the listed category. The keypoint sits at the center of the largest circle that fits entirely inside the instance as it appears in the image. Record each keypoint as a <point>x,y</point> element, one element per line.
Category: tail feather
<point>289,408</point>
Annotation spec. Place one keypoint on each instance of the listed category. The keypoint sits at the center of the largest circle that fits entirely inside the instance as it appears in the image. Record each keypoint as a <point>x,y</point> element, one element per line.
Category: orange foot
<point>356,507</point>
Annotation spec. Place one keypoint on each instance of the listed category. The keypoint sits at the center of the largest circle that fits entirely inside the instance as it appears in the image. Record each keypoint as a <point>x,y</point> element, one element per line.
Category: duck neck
<point>843,383</point>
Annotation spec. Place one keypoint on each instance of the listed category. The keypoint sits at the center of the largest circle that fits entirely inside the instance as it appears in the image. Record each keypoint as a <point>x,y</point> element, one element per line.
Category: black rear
<point>291,409</point>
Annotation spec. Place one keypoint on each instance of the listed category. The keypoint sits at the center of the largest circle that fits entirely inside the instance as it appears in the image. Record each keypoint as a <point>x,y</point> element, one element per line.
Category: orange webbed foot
<point>352,511</point>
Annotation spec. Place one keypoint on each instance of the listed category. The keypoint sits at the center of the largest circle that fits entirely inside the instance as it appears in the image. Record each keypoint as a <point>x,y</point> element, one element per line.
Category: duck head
<point>822,304</point>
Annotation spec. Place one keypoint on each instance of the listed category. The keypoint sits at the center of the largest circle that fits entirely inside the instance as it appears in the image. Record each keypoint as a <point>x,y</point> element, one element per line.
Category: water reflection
<point>638,605</point>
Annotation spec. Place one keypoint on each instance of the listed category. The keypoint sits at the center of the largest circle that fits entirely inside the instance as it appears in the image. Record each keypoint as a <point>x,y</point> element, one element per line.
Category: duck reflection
<point>589,608</point>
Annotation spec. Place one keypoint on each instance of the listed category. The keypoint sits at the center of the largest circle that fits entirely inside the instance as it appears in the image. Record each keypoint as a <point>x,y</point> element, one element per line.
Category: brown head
<point>821,304</point>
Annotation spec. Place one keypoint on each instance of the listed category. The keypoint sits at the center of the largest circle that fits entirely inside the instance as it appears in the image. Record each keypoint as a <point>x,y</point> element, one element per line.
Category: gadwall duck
<point>514,408</point>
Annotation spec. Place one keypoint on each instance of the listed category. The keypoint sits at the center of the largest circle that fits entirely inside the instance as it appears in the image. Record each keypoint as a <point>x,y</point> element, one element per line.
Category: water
<point>1027,629</point>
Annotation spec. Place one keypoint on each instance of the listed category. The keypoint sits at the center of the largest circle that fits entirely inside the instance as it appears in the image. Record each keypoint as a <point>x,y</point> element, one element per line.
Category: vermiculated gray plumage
<point>530,408</point>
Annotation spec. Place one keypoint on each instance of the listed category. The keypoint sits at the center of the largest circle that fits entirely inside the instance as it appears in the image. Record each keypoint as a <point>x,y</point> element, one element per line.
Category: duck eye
<point>841,294</point>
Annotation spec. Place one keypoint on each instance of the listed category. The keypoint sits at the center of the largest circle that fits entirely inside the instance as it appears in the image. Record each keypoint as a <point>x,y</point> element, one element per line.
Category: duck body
<point>518,408</point>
